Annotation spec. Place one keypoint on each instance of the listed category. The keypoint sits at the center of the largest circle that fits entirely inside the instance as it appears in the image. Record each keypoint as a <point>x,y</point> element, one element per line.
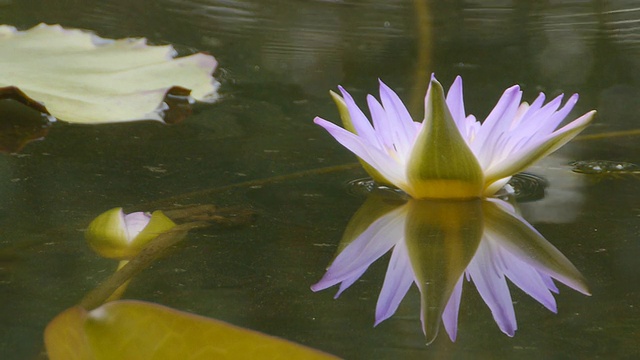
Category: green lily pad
<point>82,78</point>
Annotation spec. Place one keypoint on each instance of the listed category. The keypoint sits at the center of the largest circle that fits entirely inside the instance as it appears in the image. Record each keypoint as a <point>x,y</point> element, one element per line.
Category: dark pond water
<point>278,59</point>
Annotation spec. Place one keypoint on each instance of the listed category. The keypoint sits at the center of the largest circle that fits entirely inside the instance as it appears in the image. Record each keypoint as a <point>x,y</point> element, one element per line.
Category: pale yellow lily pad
<point>139,330</point>
<point>82,78</point>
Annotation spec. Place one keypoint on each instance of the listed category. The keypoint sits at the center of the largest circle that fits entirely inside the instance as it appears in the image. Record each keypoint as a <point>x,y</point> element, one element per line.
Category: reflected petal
<point>450,314</point>
<point>488,277</point>
<point>435,243</point>
<point>397,282</point>
<point>531,282</point>
<point>374,242</point>
<point>526,243</point>
<point>442,237</point>
<point>346,283</point>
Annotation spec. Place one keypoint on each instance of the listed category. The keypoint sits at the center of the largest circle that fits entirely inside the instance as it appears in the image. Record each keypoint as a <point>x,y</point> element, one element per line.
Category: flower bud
<point>118,236</point>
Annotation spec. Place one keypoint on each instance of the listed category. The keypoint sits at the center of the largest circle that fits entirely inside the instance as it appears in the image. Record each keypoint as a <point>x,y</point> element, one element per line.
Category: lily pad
<point>82,78</point>
<point>130,329</point>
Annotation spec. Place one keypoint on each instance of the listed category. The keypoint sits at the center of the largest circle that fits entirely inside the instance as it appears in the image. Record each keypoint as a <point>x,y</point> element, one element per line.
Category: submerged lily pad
<point>82,78</point>
<point>130,329</point>
<point>20,124</point>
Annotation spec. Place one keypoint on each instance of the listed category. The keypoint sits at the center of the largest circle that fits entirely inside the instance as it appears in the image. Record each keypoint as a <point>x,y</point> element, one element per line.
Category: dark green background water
<point>278,59</point>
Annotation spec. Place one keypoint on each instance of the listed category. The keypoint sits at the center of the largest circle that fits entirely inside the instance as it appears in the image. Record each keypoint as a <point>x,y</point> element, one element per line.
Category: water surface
<point>278,59</point>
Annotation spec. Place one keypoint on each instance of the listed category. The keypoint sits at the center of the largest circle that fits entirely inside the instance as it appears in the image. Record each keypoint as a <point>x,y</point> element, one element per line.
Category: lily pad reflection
<point>437,244</point>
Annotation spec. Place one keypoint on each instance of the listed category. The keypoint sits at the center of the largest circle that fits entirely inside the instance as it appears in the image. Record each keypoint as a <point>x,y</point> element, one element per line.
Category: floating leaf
<point>140,330</point>
<point>83,78</point>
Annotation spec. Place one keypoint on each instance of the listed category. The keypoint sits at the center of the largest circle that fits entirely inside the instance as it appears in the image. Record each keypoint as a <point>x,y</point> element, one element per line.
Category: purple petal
<point>493,289</point>
<point>530,246</point>
<point>359,121</point>
<point>533,108</point>
<point>548,280</point>
<point>134,223</point>
<point>494,125</point>
<point>528,279</point>
<point>397,282</point>
<point>536,117</point>
<point>374,242</point>
<point>403,126</point>
<point>345,284</point>
<point>557,117</point>
<point>455,102</point>
<point>535,149</point>
<point>372,155</point>
<point>539,124</point>
<point>450,313</point>
<point>384,127</point>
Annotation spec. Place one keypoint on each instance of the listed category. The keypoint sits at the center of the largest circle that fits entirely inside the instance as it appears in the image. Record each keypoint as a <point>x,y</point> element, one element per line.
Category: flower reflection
<point>436,244</point>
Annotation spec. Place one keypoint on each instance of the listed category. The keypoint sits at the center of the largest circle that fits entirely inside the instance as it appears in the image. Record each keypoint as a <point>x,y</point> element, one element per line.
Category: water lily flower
<point>450,154</point>
<point>436,245</point>
<point>116,235</point>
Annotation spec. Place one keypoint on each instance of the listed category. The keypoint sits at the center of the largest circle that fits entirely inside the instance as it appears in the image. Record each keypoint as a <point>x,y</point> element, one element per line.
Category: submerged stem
<point>145,257</point>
